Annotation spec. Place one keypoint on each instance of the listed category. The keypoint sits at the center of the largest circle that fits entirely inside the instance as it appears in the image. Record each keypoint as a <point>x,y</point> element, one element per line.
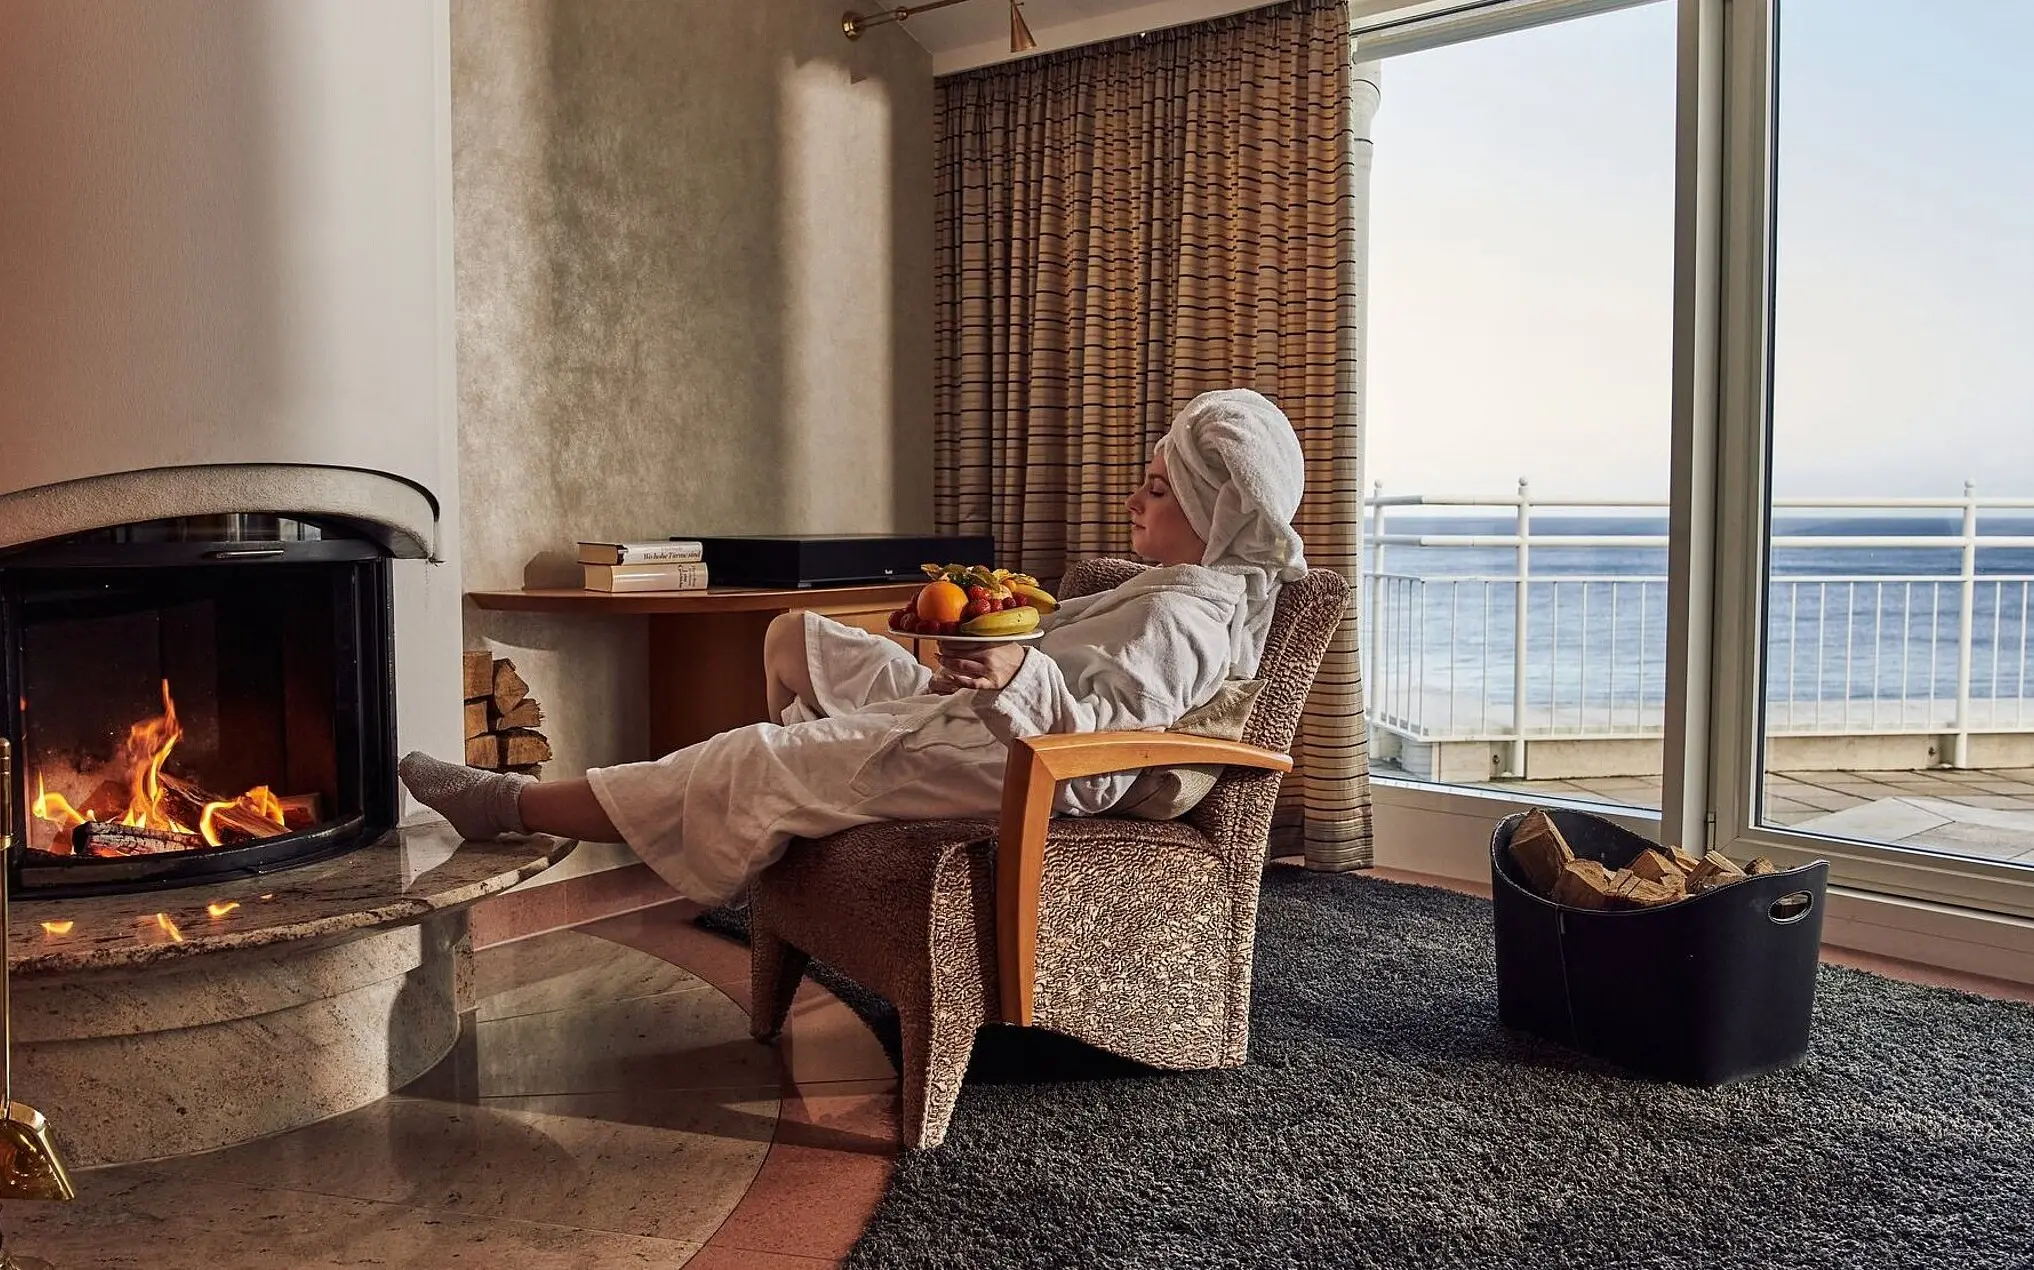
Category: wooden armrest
<point>1037,765</point>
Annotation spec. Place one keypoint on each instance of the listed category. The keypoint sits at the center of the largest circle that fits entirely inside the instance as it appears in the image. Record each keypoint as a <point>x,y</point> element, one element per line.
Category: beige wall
<point>694,257</point>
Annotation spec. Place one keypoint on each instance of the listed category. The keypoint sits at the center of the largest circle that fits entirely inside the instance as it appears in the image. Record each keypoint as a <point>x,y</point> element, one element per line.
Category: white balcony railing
<point>1867,631</point>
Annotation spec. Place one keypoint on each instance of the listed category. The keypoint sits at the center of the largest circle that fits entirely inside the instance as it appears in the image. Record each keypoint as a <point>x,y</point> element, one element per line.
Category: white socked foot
<point>480,805</point>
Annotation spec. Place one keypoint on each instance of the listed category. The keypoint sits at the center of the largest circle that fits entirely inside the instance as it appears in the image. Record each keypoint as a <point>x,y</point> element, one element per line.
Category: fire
<point>139,769</point>
<point>169,928</point>
<point>219,908</point>
<point>58,928</point>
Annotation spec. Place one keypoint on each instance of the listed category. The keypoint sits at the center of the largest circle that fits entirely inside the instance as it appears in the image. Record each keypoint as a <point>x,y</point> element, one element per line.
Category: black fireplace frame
<point>134,558</point>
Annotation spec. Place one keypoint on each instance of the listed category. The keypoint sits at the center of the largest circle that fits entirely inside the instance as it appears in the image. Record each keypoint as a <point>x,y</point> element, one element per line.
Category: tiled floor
<point>605,1107</point>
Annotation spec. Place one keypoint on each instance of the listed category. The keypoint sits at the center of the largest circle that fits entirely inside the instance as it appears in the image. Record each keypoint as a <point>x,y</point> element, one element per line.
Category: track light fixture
<point>852,24</point>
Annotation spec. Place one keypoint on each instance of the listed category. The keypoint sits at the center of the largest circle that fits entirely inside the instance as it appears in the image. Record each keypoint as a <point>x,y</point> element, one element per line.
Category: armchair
<point>1134,936</point>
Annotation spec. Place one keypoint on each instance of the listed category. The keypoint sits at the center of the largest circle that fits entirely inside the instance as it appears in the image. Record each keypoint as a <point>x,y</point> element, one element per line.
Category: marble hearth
<point>173,1022</point>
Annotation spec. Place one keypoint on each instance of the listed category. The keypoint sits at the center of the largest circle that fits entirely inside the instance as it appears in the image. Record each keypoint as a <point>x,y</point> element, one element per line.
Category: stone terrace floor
<point>1983,813</point>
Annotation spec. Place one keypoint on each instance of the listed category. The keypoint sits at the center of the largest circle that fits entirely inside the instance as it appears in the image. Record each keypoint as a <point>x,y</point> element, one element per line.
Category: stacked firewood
<point>502,717</point>
<point>1656,877</point>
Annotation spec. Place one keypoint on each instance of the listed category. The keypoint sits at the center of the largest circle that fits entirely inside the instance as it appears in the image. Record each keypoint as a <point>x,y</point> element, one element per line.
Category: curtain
<point>1120,228</point>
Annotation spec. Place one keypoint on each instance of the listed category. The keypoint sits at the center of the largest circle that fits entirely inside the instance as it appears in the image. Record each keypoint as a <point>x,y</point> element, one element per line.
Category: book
<point>671,552</point>
<point>665,576</point>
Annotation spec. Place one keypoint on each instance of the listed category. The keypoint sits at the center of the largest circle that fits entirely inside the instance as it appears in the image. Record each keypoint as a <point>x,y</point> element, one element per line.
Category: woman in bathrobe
<point>862,732</point>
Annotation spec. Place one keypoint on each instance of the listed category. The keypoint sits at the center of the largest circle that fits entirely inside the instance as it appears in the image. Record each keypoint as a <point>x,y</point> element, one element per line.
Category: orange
<point>941,602</point>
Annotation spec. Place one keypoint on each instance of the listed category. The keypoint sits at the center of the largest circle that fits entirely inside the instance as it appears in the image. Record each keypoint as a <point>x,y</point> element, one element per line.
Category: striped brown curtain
<point>1120,228</point>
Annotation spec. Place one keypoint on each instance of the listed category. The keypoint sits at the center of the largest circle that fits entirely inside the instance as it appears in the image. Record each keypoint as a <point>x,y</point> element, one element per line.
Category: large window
<point>1826,504</point>
<point>1521,310</point>
<point>1901,501</point>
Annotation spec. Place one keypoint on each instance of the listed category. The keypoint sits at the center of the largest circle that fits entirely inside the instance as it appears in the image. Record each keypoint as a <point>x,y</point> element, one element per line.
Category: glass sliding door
<point>1521,313</point>
<point>1883,507</point>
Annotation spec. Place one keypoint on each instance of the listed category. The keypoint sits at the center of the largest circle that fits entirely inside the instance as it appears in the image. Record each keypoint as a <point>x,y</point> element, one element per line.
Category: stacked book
<point>673,565</point>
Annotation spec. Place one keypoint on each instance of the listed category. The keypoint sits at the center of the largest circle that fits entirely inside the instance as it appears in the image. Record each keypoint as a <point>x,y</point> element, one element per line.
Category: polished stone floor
<point>605,1107</point>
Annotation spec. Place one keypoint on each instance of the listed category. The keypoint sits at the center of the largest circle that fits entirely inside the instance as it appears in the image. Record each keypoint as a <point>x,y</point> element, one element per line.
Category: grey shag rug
<point>1385,1120</point>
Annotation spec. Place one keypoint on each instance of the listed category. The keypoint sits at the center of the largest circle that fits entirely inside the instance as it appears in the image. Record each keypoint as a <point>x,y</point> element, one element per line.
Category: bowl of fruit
<point>974,604</point>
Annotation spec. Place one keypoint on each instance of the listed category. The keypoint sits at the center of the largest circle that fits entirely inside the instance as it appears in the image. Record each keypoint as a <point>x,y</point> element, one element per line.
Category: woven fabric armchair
<point>1134,936</point>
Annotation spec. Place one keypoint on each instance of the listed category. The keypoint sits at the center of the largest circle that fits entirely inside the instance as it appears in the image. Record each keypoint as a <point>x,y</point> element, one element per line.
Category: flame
<point>58,928</point>
<point>169,928</point>
<point>219,908</point>
<point>147,748</point>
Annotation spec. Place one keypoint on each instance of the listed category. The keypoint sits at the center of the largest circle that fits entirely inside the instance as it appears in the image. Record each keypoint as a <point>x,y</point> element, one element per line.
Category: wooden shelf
<point>711,600</point>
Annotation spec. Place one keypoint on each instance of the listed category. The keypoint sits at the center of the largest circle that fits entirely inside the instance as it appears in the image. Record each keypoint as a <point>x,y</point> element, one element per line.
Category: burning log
<point>98,839</point>
<point>301,811</point>
<point>185,803</point>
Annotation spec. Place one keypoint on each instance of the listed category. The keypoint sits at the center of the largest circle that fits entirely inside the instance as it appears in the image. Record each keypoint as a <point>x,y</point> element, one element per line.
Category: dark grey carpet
<point>1384,1120</point>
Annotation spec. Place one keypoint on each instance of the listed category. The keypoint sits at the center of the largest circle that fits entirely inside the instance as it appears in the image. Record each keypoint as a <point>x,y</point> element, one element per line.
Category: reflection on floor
<point>604,1108</point>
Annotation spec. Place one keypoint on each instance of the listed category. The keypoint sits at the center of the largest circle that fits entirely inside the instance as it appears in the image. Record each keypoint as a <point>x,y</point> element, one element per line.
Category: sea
<point>1860,637</point>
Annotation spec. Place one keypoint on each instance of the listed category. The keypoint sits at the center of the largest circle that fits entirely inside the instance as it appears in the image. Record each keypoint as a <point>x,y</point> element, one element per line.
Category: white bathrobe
<point>711,816</point>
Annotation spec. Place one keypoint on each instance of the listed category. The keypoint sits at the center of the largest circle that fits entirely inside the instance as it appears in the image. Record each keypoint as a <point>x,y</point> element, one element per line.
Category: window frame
<point>1713,756</point>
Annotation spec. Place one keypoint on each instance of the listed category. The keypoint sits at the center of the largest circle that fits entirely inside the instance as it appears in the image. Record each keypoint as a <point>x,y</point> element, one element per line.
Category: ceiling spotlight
<point>1020,34</point>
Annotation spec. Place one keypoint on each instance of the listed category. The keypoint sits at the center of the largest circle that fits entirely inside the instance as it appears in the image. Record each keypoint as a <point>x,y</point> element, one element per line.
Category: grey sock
<point>479,804</point>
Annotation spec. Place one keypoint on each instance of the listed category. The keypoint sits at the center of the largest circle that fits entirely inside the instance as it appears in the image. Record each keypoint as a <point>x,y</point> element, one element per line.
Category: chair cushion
<point>1167,793</point>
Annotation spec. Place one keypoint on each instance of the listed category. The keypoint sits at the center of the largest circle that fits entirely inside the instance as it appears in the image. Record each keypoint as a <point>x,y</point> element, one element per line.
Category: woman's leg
<point>568,809</point>
<point>483,805</point>
<point>787,675</point>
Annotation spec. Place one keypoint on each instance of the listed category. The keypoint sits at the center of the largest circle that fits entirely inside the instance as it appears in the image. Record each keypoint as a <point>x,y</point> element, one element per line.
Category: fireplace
<point>196,698</point>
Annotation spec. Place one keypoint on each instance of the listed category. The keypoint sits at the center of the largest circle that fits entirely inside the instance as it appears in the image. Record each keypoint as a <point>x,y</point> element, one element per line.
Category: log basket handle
<point>1792,907</point>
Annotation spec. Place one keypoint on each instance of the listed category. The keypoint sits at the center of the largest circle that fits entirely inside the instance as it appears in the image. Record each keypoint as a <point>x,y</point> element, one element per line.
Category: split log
<point>484,751</point>
<point>522,747</point>
<point>1715,870</point>
<point>477,671</point>
<point>1682,860</point>
<point>95,838</point>
<point>1582,884</point>
<point>476,718</point>
<point>527,714</point>
<point>302,811</point>
<point>185,803</point>
<point>1656,866</point>
<point>509,688</point>
<point>1540,851</point>
<point>1760,866</point>
<point>1630,890</point>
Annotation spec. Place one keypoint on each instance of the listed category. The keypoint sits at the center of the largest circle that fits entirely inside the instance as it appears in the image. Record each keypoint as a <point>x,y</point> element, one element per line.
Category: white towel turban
<point>1234,465</point>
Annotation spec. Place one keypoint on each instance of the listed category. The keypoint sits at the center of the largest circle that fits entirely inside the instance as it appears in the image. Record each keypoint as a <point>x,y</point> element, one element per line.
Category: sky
<point>1521,256</point>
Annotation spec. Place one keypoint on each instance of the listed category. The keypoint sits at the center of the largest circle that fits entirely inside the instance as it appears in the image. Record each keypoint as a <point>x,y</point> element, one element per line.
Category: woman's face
<point>1158,528</point>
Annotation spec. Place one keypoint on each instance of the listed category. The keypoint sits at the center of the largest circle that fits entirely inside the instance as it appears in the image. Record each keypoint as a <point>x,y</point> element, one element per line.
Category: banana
<point>1017,621</point>
<point>1040,598</point>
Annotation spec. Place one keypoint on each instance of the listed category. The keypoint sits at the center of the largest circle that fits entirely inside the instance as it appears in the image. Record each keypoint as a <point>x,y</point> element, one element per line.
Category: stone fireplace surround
<point>227,234</point>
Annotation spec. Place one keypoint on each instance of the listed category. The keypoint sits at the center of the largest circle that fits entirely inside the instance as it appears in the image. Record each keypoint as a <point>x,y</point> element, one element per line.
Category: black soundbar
<point>795,560</point>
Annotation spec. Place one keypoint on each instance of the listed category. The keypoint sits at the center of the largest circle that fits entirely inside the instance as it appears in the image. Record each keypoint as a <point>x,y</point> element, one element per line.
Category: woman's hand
<point>985,667</point>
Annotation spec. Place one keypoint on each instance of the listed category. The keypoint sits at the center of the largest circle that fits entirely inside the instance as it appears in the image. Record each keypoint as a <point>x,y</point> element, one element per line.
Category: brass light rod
<point>852,24</point>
